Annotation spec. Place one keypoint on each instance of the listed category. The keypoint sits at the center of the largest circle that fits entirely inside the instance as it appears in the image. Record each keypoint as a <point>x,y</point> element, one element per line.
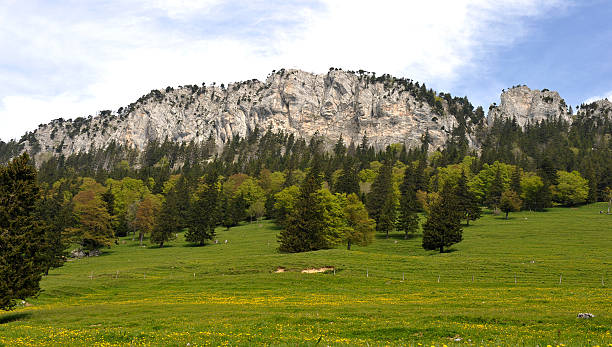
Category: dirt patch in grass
<point>317,270</point>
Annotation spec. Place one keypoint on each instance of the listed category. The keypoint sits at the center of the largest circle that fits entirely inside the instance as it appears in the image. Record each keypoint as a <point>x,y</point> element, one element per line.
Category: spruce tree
<point>408,219</point>
<point>204,213</point>
<point>443,225</point>
<point>305,224</point>
<point>22,235</point>
<point>348,181</point>
<point>169,221</point>
<point>468,203</point>
<point>379,201</point>
<point>515,181</point>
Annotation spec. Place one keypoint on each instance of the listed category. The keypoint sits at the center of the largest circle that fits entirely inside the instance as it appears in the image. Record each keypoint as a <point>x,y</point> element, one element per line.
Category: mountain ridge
<point>340,103</point>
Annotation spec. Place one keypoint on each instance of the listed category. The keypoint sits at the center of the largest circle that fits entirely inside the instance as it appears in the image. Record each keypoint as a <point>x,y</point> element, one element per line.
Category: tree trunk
<point>441,249</point>
<point>348,245</point>
<point>506,215</point>
<point>140,238</point>
<point>406,236</point>
<point>161,244</point>
<point>387,233</point>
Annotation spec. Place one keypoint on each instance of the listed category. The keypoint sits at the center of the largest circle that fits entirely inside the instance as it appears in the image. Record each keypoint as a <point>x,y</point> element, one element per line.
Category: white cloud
<point>607,95</point>
<point>90,61</point>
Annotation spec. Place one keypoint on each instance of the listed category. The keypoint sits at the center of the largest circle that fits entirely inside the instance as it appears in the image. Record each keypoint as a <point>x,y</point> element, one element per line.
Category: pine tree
<point>204,214</point>
<point>379,202</point>
<point>468,203</point>
<point>408,219</point>
<point>22,235</point>
<point>443,226</point>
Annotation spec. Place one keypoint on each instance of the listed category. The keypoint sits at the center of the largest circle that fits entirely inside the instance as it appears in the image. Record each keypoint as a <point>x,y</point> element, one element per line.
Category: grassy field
<point>516,282</point>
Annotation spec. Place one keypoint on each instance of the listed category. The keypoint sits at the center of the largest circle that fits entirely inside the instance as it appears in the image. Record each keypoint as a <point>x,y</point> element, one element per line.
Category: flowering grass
<point>519,282</point>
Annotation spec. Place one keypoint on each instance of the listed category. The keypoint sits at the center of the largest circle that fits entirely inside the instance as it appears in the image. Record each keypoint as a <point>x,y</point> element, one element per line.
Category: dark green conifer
<point>468,203</point>
<point>443,226</point>
<point>379,202</point>
<point>204,214</point>
<point>23,247</point>
<point>408,219</point>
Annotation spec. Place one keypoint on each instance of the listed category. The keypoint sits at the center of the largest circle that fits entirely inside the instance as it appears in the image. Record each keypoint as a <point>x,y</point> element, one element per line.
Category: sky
<point>71,58</point>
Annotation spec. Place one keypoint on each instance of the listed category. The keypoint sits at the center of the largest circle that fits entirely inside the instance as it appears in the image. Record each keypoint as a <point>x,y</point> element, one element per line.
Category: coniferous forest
<point>321,196</point>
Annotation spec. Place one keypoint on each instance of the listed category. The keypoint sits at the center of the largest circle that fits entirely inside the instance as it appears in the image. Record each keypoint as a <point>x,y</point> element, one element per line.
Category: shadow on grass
<point>195,245</point>
<point>156,246</point>
<point>12,317</point>
<point>397,236</point>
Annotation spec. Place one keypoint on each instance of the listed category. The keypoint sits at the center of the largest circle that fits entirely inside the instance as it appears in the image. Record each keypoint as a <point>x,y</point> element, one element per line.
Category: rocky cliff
<point>337,104</point>
<point>529,106</point>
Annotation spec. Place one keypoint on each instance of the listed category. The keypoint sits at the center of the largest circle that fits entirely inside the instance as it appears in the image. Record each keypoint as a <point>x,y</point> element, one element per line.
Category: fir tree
<point>22,235</point>
<point>443,226</point>
<point>169,221</point>
<point>204,214</point>
<point>468,203</point>
<point>305,223</point>
<point>515,181</point>
<point>348,181</point>
<point>408,220</point>
<point>379,202</point>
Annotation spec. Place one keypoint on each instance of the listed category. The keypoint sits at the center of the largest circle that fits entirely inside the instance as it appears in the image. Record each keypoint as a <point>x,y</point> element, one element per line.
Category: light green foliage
<point>126,191</point>
<point>271,182</point>
<point>531,187</point>
<point>481,183</point>
<point>335,225</point>
<point>257,209</point>
<point>285,202</point>
<point>361,228</point>
<point>170,183</point>
<point>367,175</point>
<point>250,190</point>
<point>571,190</point>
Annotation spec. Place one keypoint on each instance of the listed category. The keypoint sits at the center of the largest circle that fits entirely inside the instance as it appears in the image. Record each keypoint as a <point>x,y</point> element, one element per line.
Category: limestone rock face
<point>599,109</point>
<point>529,106</point>
<point>336,104</point>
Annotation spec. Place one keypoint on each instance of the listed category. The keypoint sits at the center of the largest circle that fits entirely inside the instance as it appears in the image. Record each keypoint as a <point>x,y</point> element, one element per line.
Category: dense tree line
<point>322,196</point>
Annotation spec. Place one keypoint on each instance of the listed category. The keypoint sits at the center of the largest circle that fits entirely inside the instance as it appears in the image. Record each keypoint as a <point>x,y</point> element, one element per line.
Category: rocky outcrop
<point>337,104</point>
<point>529,106</point>
<point>600,109</point>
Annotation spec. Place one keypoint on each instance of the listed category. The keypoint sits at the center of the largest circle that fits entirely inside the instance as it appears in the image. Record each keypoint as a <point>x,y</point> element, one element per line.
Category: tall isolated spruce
<point>468,203</point>
<point>22,236</point>
<point>408,219</point>
<point>379,201</point>
<point>169,221</point>
<point>304,224</point>
<point>204,213</point>
<point>443,225</point>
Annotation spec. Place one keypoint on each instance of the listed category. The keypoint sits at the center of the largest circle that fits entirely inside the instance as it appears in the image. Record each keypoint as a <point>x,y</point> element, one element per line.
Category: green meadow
<point>517,282</point>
